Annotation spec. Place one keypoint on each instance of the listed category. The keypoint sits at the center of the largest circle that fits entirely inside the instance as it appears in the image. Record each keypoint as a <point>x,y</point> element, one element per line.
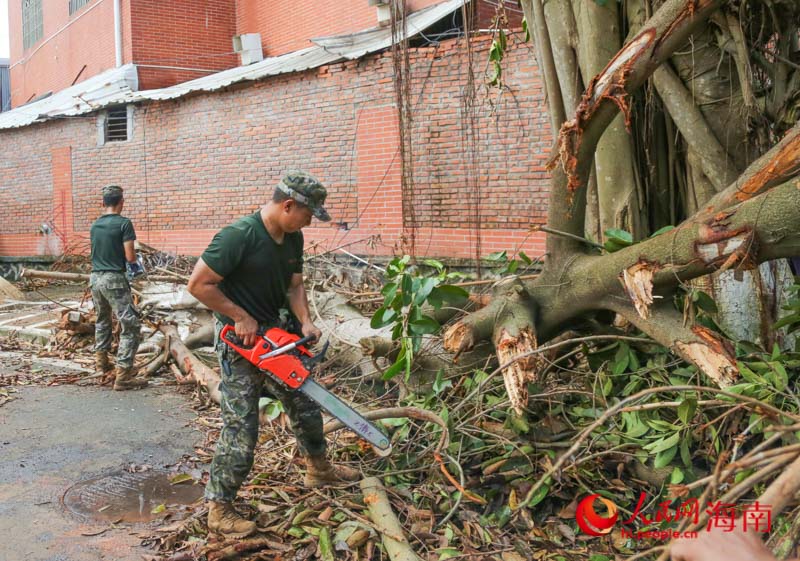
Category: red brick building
<point>196,156</point>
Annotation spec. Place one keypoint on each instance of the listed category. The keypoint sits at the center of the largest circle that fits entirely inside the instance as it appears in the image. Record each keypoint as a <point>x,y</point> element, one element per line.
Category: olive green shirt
<point>256,271</point>
<point>107,235</point>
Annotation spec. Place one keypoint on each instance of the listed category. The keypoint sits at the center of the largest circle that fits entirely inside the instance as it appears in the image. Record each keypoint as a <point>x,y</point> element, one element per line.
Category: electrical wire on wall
<point>469,140</point>
<point>402,86</point>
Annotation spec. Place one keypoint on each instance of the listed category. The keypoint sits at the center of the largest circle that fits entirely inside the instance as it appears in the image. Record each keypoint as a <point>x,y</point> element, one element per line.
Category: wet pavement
<point>82,467</point>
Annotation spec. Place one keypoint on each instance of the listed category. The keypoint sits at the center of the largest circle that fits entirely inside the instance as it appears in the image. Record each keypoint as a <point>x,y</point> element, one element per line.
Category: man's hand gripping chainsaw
<point>283,356</point>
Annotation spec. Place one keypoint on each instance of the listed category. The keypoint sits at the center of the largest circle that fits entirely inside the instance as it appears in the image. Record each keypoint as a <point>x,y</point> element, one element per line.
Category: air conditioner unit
<point>248,45</point>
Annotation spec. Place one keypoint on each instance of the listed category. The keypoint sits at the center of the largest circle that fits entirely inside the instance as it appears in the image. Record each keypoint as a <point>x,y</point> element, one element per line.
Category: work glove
<point>135,269</point>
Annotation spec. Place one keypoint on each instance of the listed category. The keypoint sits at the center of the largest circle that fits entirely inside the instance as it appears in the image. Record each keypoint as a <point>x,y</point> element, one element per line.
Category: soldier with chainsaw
<point>112,236</point>
<point>251,275</point>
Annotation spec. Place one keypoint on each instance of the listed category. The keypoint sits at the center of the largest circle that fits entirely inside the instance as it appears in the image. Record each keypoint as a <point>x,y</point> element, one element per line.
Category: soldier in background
<point>112,236</point>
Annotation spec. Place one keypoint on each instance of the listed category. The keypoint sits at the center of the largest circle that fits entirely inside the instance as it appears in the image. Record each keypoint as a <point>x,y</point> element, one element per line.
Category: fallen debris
<point>380,512</point>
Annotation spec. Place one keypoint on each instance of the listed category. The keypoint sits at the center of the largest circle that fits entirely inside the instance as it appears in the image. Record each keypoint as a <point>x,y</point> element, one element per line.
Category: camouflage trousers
<point>241,388</point>
<point>111,290</point>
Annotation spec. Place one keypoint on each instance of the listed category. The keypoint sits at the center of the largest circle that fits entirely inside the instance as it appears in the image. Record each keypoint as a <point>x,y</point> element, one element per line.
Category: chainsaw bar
<point>346,414</point>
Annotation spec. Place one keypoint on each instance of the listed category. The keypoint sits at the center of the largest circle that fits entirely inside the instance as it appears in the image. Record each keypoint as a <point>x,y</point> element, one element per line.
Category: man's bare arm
<point>130,251</point>
<point>203,285</point>
<point>298,302</point>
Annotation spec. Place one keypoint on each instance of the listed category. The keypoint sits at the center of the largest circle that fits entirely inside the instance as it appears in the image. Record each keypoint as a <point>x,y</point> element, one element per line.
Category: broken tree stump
<point>381,514</point>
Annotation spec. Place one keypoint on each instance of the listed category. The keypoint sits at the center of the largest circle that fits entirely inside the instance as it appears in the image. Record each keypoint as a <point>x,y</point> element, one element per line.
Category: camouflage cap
<point>306,189</point>
<point>110,190</point>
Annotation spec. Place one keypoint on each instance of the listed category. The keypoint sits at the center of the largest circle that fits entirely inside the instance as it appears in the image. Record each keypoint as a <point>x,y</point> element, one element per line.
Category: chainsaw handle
<point>224,335</point>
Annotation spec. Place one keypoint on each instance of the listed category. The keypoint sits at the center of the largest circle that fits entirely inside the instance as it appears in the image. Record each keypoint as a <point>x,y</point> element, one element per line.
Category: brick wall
<point>184,35</point>
<point>198,163</point>
<point>72,48</point>
<point>287,25</point>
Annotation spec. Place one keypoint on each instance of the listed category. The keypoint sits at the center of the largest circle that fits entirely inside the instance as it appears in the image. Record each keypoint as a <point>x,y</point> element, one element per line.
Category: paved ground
<point>54,437</point>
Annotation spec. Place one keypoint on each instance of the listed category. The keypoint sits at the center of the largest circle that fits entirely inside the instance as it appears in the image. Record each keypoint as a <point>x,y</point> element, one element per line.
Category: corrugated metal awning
<point>110,87</point>
<point>119,85</point>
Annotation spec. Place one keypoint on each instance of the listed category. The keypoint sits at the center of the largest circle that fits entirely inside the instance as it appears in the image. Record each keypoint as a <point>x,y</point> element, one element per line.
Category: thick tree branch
<point>778,165</point>
<point>696,344</point>
<point>714,160</point>
<point>764,228</point>
<point>608,93</point>
<point>561,24</point>
<point>534,13</point>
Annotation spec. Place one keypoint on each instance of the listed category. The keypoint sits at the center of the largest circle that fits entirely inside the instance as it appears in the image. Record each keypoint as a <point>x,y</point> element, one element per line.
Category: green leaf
<point>686,410</point>
<point>438,265</point>
<point>501,39</point>
<point>497,256</point>
<point>389,293</point>
<point>525,29</point>
<point>440,383</point>
<point>663,230</point>
<point>423,326</point>
<point>677,476</point>
<point>781,377</point>
<point>664,457</point>
<point>450,293</point>
<point>325,549</point>
<point>425,287</point>
<point>686,454</point>
<point>619,237</point>
<point>540,495</point>
<point>159,509</point>
<point>704,302</point>
<point>395,368</point>
<point>296,532</point>
<point>448,553</point>
<point>180,478</point>
<point>525,259</point>
<point>407,287</point>
<point>621,360</point>
<point>663,443</point>
<point>382,317</point>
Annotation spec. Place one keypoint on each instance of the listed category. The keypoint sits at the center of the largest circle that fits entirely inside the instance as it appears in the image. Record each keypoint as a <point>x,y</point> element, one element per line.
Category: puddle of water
<point>129,497</point>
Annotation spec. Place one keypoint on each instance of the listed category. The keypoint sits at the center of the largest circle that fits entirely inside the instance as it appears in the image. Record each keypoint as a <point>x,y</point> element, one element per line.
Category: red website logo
<point>593,523</point>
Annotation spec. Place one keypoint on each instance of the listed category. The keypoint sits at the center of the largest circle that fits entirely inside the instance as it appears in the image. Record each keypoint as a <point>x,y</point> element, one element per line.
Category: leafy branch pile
<point>614,414</point>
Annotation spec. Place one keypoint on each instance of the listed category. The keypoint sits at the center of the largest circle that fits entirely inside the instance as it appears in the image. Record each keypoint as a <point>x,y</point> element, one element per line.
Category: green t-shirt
<point>107,234</point>
<point>256,271</point>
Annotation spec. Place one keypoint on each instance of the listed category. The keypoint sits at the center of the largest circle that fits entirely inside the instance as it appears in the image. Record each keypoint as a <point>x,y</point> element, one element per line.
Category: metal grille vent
<point>32,22</point>
<point>117,124</point>
<point>75,5</point>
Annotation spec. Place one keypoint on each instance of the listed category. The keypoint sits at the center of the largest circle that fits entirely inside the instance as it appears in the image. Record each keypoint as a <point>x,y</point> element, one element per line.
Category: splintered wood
<point>638,282</point>
<point>521,371</point>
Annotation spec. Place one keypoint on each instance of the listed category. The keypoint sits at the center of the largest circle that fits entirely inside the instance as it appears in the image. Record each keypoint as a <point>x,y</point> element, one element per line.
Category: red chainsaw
<point>285,357</point>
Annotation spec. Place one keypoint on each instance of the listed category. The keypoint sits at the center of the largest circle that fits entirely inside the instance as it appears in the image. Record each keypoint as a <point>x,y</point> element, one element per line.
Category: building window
<point>31,22</point>
<point>75,5</point>
<point>115,124</point>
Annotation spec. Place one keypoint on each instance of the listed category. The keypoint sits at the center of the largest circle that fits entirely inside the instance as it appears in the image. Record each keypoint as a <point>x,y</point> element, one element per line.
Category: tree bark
<point>190,365</point>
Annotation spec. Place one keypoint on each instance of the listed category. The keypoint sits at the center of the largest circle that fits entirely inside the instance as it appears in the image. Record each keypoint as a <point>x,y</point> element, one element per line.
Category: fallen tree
<point>753,217</point>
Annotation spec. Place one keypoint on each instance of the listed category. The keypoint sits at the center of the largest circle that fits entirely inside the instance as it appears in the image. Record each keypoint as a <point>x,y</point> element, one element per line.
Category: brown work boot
<point>126,379</point>
<point>102,365</point>
<point>320,473</point>
<point>223,519</point>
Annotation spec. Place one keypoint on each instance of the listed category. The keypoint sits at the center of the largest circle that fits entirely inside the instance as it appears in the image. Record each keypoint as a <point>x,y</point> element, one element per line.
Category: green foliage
<point>404,297</point>
<point>791,320</point>
<point>503,265</point>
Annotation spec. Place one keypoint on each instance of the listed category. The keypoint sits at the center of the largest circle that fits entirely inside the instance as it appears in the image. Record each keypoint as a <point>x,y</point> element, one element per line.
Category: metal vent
<point>117,124</point>
<point>32,23</point>
<point>75,5</point>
